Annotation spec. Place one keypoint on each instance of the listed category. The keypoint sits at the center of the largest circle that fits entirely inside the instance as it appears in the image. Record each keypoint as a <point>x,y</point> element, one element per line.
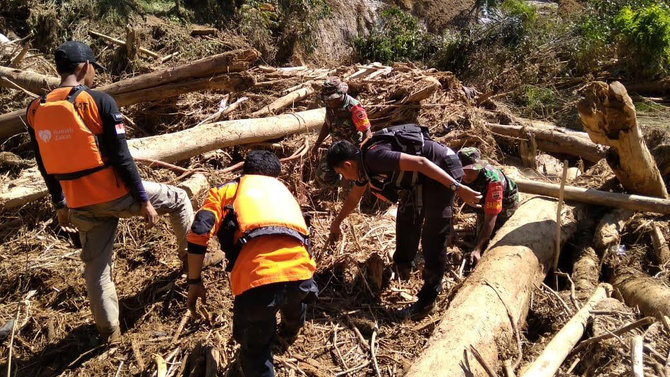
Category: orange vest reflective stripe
<point>264,206</point>
<point>68,148</point>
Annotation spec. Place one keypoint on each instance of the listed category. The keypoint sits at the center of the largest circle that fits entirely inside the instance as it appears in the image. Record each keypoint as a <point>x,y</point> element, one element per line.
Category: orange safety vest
<point>271,242</point>
<point>66,126</point>
<point>68,148</point>
<point>264,206</point>
<point>261,202</point>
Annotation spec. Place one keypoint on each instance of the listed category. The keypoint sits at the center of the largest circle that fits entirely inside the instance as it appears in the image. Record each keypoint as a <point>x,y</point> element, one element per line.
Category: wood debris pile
<point>499,317</point>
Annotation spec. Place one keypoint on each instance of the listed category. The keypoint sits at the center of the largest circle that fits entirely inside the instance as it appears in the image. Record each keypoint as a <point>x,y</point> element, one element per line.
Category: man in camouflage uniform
<point>346,119</point>
<point>501,197</point>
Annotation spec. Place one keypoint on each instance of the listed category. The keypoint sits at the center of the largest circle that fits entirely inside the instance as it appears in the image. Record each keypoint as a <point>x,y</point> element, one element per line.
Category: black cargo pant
<point>425,214</point>
<point>255,321</point>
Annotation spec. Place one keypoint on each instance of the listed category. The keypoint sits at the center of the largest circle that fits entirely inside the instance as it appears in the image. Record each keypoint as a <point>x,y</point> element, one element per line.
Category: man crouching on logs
<point>501,197</point>
<point>403,163</point>
<point>266,240</point>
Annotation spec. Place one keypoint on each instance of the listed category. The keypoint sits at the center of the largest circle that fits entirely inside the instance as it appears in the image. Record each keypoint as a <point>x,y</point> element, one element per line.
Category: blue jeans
<point>255,321</point>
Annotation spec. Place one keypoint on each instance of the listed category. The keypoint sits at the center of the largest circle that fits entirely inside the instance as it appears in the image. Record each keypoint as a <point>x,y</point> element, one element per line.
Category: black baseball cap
<point>73,52</point>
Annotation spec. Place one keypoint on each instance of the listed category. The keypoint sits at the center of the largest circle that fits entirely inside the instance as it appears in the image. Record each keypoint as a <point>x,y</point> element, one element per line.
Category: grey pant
<point>97,227</point>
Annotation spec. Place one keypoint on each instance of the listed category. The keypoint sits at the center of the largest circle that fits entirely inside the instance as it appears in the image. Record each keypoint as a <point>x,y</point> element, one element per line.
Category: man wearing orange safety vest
<point>266,240</point>
<point>81,151</point>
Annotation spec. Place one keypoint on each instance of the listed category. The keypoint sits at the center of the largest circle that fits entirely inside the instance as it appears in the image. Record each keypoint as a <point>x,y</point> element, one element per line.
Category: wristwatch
<point>454,186</point>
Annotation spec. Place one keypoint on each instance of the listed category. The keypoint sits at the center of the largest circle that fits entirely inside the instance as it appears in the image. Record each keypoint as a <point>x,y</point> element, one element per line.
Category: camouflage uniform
<point>347,122</point>
<point>500,193</point>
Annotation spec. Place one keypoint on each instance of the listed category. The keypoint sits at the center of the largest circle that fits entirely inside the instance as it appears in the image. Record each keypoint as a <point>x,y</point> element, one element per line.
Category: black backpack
<point>405,138</point>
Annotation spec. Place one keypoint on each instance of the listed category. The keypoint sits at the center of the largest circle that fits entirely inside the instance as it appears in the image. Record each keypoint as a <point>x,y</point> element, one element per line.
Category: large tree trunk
<point>181,145</point>
<point>207,73</point>
<point>497,292</point>
<point>31,81</point>
<point>13,123</point>
<point>597,197</point>
<point>232,61</point>
<point>640,290</point>
<point>284,101</point>
<point>555,140</point>
<point>231,82</point>
<point>608,114</point>
<point>651,88</point>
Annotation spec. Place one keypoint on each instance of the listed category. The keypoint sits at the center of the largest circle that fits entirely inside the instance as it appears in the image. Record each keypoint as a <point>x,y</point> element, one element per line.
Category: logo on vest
<point>45,135</point>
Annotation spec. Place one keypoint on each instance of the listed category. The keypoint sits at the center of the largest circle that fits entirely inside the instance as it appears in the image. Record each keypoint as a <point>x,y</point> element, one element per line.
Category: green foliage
<point>257,24</point>
<point>480,52</point>
<point>537,101</point>
<point>397,38</point>
<point>608,26</point>
<point>521,10</point>
<point>644,39</point>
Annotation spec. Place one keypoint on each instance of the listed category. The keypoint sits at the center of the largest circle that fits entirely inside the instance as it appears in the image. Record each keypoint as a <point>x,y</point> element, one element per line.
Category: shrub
<point>257,24</point>
<point>397,38</point>
<point>644,39</point>
<point>520,10</point>
<point>537,101</point>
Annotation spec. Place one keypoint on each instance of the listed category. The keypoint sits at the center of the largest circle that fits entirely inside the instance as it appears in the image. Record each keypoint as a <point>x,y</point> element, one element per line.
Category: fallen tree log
<point>31,81</point>
<point>553,355</point>
<point>232,61</point>
<point>651,88</point>
<point>555,140</point>
<point>181,145</point>
<point>586,264</point>
<point>232,82</point>
<point>661,250</point>
<point>514,264</point>
<point>283,102</point>
<point>585,271</point>
<point>642,291</point>
<point>14,122</point>
<point>227,62</point>
<point>603,198</point>
<point>608,114</point>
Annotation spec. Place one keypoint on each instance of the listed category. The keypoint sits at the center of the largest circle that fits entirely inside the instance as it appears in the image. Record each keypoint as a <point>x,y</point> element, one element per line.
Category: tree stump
<point>608,114</point>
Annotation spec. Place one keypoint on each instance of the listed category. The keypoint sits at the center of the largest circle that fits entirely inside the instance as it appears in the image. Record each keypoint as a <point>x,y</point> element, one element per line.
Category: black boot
<point>415,311</point>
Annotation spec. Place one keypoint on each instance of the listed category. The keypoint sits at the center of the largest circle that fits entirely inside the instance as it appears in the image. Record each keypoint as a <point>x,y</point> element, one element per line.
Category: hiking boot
<point>415,311</point>
<point>211,259</point>
<point>402,270</point>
